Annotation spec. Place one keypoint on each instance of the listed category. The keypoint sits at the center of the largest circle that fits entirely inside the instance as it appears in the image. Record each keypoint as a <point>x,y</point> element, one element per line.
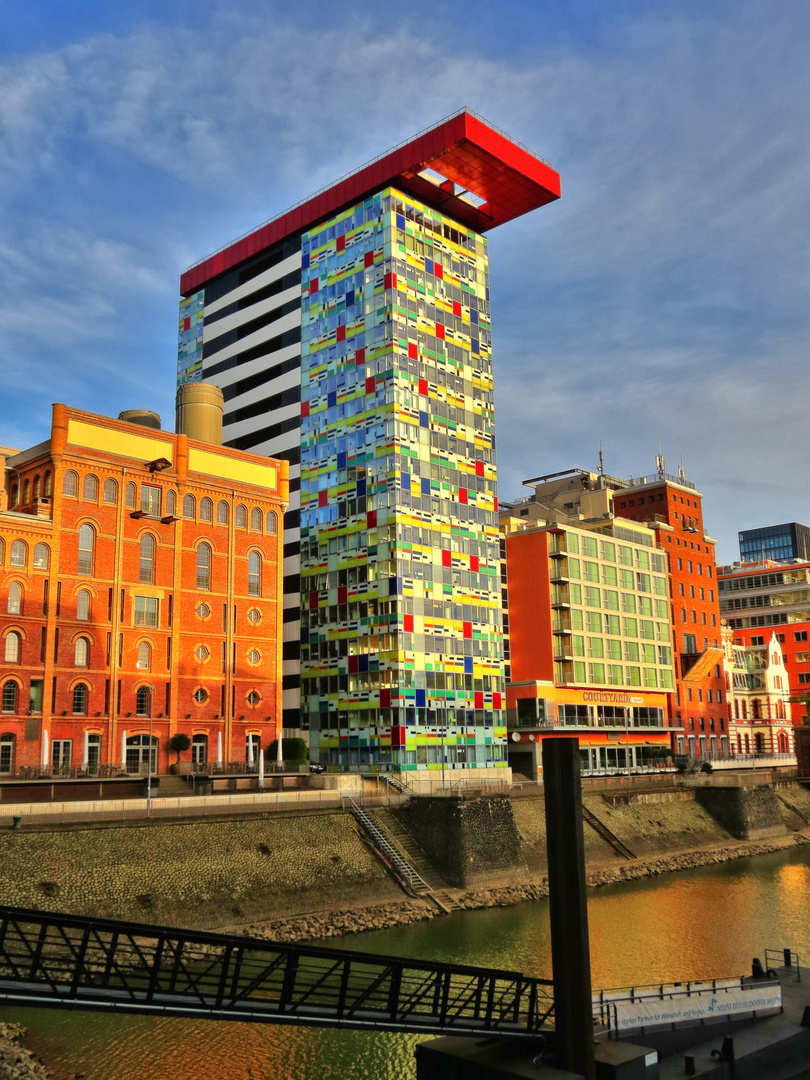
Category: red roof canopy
<point>465,150</point>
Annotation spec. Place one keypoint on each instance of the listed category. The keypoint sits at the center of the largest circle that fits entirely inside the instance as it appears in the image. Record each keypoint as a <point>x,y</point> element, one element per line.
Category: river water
<point>699,923</point>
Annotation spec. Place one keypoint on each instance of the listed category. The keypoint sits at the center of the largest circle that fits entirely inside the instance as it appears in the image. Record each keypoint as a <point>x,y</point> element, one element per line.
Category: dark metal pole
<point>570,955</point>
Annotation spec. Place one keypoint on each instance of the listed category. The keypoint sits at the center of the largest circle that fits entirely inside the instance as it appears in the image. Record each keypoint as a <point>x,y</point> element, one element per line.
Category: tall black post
<point>573,1014</point>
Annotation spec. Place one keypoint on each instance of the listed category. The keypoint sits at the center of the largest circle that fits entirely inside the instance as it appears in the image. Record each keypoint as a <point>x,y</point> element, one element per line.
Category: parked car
<point>313,767</point>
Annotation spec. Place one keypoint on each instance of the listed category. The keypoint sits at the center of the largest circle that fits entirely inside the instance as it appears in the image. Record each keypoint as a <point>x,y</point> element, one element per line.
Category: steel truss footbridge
<point>64,961</point>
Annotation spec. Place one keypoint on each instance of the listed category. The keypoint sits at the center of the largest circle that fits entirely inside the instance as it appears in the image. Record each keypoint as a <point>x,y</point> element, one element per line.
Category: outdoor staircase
<point>599,827</point>
<point>172,787</point>
<point>793,809</point>
<point>388,822</point>
<point>393,782</point>
<point>401,864</point>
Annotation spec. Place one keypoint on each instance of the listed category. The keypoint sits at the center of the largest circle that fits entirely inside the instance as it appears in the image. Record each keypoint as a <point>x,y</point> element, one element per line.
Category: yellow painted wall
<point>244,472</point>
<point>111,441</point>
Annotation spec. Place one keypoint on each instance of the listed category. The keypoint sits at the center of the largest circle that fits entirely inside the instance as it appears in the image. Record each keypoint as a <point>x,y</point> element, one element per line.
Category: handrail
<point>58,960</point>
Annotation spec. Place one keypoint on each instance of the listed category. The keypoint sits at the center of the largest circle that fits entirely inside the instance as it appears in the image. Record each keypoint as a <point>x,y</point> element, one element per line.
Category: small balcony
<point>561,623</point>
<point>559,570</point>
<point>560,596</point>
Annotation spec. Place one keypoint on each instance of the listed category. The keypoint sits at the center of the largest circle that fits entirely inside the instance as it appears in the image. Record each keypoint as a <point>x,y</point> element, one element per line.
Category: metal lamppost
<point>149,762</point>
<point>627,739</point>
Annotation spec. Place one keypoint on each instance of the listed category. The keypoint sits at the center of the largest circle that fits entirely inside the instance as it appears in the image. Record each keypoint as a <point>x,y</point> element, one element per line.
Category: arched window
<point>203,567</point>
<point>254,574</point>
<point>171,503</point>
<point>83,606</point>
<point>26,492</point>
<point>255,519</point>
<point>241,516</point>
<point>87,539</point>
<point>201,695</point>
<point>756,706</point>
<point>37,486</point>
<point>147,564</point>
<point>81,652</point>
<point>206,510</point>
<point>42,557</point>
<point>132,495</point>
<point>70,484</point>
<point>271,523</point>
<point>15,493</point>
<point>144,656</point>
<point>79,699</point>
<point>10,694</point>
<point>2,550</point>
<point>222,512</point>
<point>110,491</point>
<point>19,553</point>
<point>188,506</point>
<point>47,485</point>
<point>15,598</point>
<point>142,701</point>
<point>13,648</point>
<point>90,488</point>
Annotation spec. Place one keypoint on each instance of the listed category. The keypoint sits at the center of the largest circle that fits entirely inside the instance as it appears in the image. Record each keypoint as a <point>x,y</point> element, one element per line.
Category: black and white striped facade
<point>251,349</point>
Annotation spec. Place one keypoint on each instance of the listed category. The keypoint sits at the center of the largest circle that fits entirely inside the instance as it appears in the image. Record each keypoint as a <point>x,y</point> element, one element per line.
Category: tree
<point>707,768</point>
<point>179,742</point>
<point>291,750</point>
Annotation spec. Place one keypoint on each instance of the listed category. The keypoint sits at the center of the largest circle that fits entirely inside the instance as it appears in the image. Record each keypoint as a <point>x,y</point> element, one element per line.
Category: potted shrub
<point>179,742</point>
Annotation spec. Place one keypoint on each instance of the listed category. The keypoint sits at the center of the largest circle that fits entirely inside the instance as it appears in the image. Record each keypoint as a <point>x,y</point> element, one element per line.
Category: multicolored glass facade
<point>190,338</point>
<point>401,634</point>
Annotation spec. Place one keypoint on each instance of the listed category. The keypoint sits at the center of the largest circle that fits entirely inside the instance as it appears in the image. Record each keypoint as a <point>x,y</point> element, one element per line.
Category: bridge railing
<point>53,960</point>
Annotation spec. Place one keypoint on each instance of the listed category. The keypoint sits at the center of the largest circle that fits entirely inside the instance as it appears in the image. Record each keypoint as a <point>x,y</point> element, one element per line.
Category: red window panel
<point>412,350</point>
<point>438,270</point>
<point>340,244</point>
<point>473,562</point>
<point>341,333</point>
<point>323,498</point>
<point>496,701</point>
<point>456,307</point>
<point>385,698</point>
<point>467,629</point>
<point>313,599</point>
<point>313,286</point>
<point>371,519</point>
<point>447,558</point>
<point>186,324</point>
<point>305,408</point>
<point>343,594</point>
<point>439,330</point>
<point>390,281</point>
<point>408,624</point>
<point>462,495</point>
<point>479,700</point>
<point>368,259</point>
<point>479,468</point>
<point>423,386</point>
<point>371,384</point>
<point>360,357</point>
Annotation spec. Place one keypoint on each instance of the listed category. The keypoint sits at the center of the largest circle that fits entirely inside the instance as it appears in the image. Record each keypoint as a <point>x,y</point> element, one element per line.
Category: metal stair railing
<point>55,960</point>
<point>382,843</point>
<point>611,838</point>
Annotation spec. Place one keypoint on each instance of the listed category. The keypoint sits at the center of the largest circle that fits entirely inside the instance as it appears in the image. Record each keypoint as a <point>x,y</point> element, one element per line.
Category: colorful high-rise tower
<point>351,336</point>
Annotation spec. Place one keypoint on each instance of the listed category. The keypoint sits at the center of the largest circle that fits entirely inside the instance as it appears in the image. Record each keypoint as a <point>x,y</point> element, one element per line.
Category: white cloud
<point>664,296</point>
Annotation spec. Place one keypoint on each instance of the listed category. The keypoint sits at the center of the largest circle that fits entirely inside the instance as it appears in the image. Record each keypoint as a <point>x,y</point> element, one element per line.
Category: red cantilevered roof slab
<point>488,180</point>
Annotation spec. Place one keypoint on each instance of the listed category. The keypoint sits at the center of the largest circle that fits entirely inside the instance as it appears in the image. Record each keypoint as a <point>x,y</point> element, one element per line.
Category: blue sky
<point>664,297</point>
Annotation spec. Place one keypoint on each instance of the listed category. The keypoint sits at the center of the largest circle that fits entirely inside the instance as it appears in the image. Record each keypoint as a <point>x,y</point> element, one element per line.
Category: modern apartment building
<point>671,507</point>
<point>351,336</point>
<point>140,591</point>
<point>590,643</point>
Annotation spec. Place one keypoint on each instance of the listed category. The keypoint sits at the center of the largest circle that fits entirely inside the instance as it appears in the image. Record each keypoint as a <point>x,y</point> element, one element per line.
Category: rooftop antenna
<point>681,472</point>
<point>660,464</point>
<point>601,460</point>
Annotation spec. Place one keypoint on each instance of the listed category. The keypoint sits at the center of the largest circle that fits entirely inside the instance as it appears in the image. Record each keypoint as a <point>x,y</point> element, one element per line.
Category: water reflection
<point>706,922</point>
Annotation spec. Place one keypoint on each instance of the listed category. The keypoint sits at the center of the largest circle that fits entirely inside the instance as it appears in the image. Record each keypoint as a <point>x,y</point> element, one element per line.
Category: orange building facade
<point>589,645</point>
<point>139,590</point>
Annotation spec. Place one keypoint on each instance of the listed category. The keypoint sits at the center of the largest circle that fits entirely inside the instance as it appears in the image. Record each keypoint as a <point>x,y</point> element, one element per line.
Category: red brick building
<point>674,508</point>
<point>139,582</point>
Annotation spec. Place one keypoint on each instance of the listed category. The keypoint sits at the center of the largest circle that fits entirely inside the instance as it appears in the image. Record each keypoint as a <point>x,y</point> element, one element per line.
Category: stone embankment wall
<point>200,874</point>
<point>466,839</point>
<point>747,813</point>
